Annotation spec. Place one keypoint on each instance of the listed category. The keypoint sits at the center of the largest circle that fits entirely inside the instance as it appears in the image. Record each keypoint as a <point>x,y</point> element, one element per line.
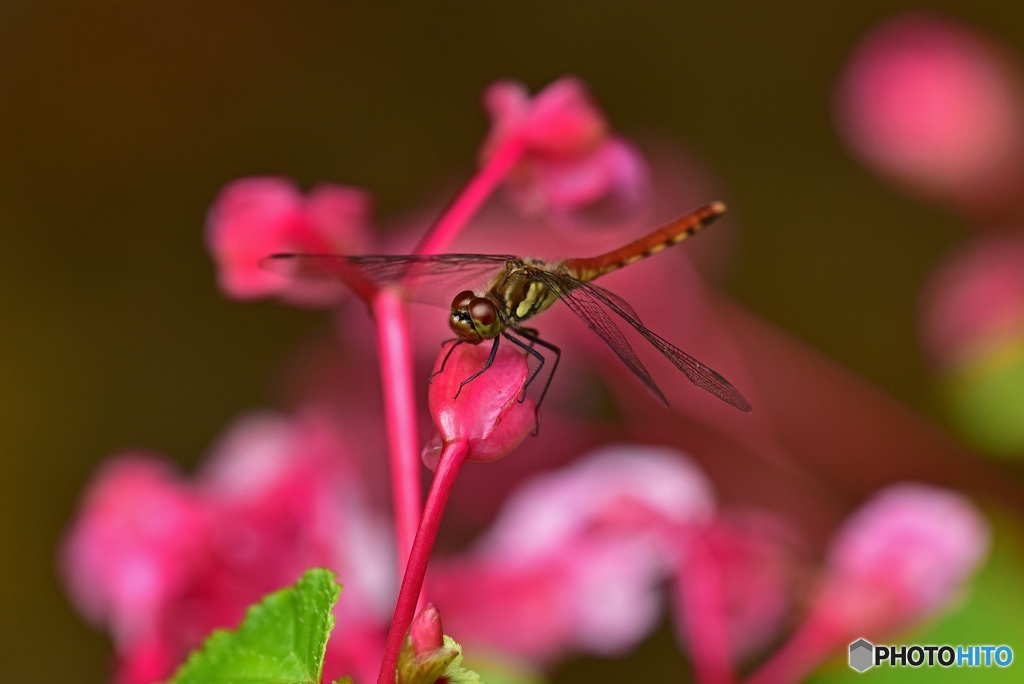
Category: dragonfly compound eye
<point>463,300</point>
<point>485,317</point>
<point>461,320</point>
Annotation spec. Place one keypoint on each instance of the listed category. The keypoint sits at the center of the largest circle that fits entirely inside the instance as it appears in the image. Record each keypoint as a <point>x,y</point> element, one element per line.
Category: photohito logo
<point>864,655</point>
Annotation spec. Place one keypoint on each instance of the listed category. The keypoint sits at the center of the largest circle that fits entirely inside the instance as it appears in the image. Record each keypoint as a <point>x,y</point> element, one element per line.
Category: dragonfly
<point>517,289</point>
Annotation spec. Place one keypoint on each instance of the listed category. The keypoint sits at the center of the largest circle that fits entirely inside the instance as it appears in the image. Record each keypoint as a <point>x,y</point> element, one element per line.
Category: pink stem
<point>396,369</point>
<point>805,650</point>
<point>396,355</point>
<point>476,192</point>
<point>452,458</point>
<point>703,608</point>
<point>400,415</point>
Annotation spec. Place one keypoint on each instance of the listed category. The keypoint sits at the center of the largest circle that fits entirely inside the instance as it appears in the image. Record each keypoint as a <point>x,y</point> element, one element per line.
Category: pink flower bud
<point>934,105</point>
<point>972,326</point>
<point>425,632</point>
<point>485,412</point>
<point>256,217</point>
<point>424,658</point>
<point>975,301</point>
<point>571,167</point>
<point>903,556</point>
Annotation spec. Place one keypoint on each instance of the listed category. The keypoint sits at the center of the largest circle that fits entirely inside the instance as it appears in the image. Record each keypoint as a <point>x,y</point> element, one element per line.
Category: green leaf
<point>456,674</point>
<point>282,639</point>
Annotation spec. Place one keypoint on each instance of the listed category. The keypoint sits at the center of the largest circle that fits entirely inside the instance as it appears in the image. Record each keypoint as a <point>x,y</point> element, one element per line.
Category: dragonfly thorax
<point>474,318</point>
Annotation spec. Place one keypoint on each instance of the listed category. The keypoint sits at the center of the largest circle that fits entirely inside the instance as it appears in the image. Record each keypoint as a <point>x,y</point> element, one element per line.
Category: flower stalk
<point>505,156</point>
<point>400,415</point>
<point>453,457</point>
<point>703,611</point>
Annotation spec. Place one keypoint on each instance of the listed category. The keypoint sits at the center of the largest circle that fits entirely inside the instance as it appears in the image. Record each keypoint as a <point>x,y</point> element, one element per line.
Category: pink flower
<point>571,165</point>
<point>576,559</point>
<point>163,563</point>
<point>933,105</point>
<point>254,218</point>
<point>903,556</point>
<point>140,537</point>
<point>975,301</point>
<point>490,411</point>
<point>751,558</point>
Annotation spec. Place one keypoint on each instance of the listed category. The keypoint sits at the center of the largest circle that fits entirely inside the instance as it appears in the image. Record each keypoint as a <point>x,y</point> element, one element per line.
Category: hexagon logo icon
<point>861,655</point>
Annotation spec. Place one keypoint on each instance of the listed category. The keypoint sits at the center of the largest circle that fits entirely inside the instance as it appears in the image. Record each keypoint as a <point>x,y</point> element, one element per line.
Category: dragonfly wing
<point>700,375</point>
<point>590,310</point>
<point>428,278</point>
<point>619,301</point>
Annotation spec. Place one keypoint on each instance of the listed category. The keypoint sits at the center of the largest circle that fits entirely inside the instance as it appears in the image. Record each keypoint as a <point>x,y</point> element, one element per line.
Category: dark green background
<point>119,121</point>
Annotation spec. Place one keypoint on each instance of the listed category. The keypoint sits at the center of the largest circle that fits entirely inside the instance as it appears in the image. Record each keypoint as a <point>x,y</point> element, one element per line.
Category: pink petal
<point>564,120</point>
<point>904,555</point>
<point>577,558</point>
<point>611,185</point>
<point>138,539</point>
<point>559,121</point>
<point>254,218</point>
<point>626,486</point>
<point>571,165</point>
<point>751,557</point>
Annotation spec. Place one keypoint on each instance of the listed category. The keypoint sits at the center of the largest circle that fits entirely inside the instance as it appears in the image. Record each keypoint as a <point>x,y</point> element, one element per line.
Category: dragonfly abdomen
<point>670,234</point>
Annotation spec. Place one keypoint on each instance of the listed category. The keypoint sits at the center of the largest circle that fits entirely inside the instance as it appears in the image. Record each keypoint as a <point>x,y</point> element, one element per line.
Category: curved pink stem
<point>396,369</point>
<point>452,458</point>
<point>703,607</point>
<point>476,192</point>
<point>396,354</point>
<point>400,415</point>
<point>806,649</point>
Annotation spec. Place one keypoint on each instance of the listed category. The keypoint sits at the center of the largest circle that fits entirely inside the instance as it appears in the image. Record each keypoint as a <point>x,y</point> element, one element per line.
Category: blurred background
<point>120,121</point>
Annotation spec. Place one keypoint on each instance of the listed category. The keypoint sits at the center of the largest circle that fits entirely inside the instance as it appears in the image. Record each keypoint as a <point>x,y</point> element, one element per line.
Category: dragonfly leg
<point>474,376</point>
<point>528,348</point>
<point>531,335</point>
<point>455,343</point>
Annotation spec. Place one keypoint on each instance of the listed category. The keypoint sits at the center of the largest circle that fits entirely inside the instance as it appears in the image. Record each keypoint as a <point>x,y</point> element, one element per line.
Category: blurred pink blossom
<point>163,563</point>
<point>254,218</point>
<point>932,104</point>
<point>571,167</point>
<point>140,538</point>
<point>901,557</point>
<point>576,558</point>
<point>752,556</point>
<point>975,301</point>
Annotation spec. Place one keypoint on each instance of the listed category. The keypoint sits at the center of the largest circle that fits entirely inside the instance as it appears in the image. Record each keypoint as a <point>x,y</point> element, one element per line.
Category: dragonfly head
<point>474,319</point>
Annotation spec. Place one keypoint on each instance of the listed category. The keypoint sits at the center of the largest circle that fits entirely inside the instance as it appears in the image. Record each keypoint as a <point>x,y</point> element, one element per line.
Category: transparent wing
<point>588,301</point>
<point>432,278</point>
<point>594,315</point>
<point>619,301</point>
